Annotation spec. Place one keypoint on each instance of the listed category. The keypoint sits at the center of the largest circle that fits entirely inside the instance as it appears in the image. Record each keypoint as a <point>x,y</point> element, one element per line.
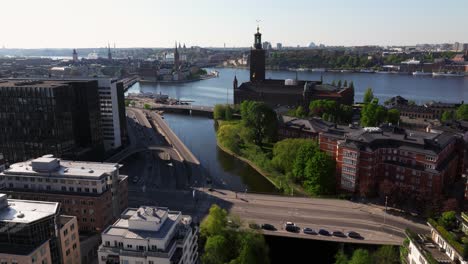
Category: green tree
<point>462,112</point>
<point>345,115</point>
<point>319,174</point>
<point>147,106</point>
<point>351,84</point>
<point>305,152</point>
<point>393,116</point>
<point>448,220</point>
<point>214,223</point>
<point>345,83</point>
<point>216,250</point>
<point>285,152</point>
<point>219,112</point>
<point>229,137</point>
<point>261,119</point>
<point>300,112</point>
<point>361,256</point>
<point>339,84</point>
<point>341,258</point>
<point>368,96</point>
<point>252,250</point>
<point>447,116</point>
<point>333,83</point>
<point>228,113</point>
<point>127,102</point>
<point>386,255</point>
<point>372,114</point>
<point>411,102</point>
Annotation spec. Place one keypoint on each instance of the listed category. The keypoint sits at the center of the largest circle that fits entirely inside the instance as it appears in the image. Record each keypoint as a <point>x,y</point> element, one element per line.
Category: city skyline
<point>145,23</point>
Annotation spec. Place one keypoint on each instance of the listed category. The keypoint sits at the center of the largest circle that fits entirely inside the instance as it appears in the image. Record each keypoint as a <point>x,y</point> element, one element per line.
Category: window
<point>349,161</point>
<point>65,232</point>
<point>430,158</point>
<point>73,237</point>
<point>129,246</point>
<point>72,227</point>
<point>74,246</point>
<point>67,252</point>
<point>107,243</point>
<point>64,188</point>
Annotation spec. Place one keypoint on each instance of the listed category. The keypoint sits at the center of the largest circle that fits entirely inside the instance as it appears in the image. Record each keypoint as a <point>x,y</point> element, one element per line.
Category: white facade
<point>150,235</point>
<point>449,249</point>
<point>108,100</point>
<point>49,174</point>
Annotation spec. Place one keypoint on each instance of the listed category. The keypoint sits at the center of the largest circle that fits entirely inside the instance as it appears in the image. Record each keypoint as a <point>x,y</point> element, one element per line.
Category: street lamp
<point>385,213</point>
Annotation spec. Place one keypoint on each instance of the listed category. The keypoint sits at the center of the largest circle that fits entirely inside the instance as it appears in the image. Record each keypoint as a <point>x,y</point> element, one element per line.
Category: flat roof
<point>67,169</point>
<point>121,227</point>
<point>32,83</point>
<point>24,211</point>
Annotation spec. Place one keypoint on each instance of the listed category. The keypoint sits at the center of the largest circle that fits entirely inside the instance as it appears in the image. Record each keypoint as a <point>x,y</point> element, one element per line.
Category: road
<point>329,214</point>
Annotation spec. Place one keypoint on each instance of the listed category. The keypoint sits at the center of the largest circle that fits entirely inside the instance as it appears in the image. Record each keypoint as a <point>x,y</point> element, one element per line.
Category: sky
<point>213,23</point>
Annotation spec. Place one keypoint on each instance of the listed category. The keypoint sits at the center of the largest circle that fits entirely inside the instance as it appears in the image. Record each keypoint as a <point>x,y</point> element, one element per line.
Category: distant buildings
<point>2,164</point>
<point>38,117</point>
<point>279,46</point>
<point>284,92</point>
<point>371,160</point>
<point>75,56</point>
<point>93,192</point>
<point>150,235</point>
<point>35,232</point>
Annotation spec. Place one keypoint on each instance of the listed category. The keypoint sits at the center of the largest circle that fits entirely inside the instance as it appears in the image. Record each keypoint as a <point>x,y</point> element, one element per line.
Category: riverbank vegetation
<point>337,59</point>
<point>383,255</point>
<point>291,164</point>
<point>223,241</point>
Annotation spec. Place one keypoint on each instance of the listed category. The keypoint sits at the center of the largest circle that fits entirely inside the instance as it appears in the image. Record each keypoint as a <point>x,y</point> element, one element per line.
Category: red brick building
<point>292,127</point>
<point>424,163</point>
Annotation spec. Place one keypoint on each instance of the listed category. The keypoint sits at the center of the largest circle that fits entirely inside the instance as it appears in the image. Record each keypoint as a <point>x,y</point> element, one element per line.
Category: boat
<point>215,73</point>
<point>422,73</point>
<point>383,72</point>
<point>318,69</point>
<point>367,71</point>
<point>448,74</point>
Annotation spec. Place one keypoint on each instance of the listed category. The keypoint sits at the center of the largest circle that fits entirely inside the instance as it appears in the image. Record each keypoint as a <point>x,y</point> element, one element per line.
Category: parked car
<point>338,234</point>
<point>354,235</point>
<point>254,226</point>
<point>309,231</point>
<point>324,232</point>
<point>268,227</point>
<point>291,227</point>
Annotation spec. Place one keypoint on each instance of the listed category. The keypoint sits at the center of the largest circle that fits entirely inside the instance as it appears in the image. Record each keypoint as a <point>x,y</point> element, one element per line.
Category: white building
<point>112,104</point>
<point>49,175</point>
<point>150,235</point>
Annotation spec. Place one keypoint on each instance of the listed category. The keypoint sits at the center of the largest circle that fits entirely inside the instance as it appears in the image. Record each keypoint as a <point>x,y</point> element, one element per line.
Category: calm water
<point>199,135</point>
<point>418,88</point>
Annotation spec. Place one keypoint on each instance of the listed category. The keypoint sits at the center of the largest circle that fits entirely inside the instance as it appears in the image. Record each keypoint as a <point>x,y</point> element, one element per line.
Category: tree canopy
<point>368,96</point>
<point>261,119</point>
<point>361,256</point>
<point>462,112</point>
<point>373,114</point>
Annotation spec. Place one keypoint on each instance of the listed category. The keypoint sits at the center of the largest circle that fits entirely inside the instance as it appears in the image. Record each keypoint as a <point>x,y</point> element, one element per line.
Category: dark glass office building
<point>50,117</point>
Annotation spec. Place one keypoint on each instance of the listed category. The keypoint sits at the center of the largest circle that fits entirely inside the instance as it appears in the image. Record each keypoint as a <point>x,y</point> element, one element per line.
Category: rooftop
<point>23,211</point>
<point>313,125</point>
<point>54,167</point>
<point>32,83</point>
<point>164,219</point>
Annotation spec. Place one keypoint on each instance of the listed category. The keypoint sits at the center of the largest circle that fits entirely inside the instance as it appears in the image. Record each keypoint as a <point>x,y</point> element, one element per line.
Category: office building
<point>279,46</point>
<point>290,92</point>
<point>34,232</point>
<point>93,192</point>
<point>422,163</point>
<point>50,117</point>
<point>2,164</point>
<point>150,235</point>
<point>112,108</point>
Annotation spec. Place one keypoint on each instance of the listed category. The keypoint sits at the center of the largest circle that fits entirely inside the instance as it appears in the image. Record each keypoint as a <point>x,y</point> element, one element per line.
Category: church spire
<point>258,39</point>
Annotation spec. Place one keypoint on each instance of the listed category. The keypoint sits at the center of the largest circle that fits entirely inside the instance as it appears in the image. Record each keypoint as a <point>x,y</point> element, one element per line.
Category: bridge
<point>185,109</point>
<point>129,81</point>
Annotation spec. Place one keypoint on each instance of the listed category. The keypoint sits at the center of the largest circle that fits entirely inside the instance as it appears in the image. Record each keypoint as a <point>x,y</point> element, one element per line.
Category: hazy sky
<point>159,23</point>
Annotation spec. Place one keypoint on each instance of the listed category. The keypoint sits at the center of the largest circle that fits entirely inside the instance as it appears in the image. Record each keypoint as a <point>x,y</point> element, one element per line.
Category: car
<point>254,226</point>
<point>354,235</point>
<point>291,227</point>
<point>268,227</point>
<point>324,232</point>
<point>338,234</point>
<point>309,231</point>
